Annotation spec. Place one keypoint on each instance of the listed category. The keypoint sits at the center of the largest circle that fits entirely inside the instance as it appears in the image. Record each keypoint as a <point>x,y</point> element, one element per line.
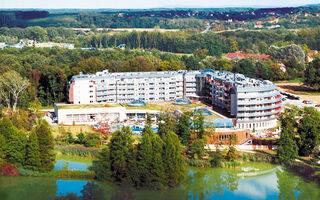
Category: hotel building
<point>128,86</point>
<point>253,103</point>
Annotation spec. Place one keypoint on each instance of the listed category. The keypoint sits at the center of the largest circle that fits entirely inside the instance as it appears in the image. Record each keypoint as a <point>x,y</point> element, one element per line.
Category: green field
<point>79,159</point>
<point>84,106</point>
<point>74,130</point>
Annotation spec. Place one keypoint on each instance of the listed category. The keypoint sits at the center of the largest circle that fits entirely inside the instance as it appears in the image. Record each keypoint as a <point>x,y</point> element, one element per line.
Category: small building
<point>70,114</point>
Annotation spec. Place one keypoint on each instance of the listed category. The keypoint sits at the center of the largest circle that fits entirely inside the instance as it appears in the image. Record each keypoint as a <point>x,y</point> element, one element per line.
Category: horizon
<point>145,4</point>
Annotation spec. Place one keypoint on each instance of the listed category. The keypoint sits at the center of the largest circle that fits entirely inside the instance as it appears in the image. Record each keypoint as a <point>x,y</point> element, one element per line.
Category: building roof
<point>239,55</point>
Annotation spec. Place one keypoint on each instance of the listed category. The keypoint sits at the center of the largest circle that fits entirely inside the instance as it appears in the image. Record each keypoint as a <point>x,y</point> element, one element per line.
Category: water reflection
<point>89,190</point>
<point>199,184</point>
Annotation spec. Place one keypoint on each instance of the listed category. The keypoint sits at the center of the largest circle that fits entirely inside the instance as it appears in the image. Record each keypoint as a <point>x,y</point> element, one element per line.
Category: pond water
<point>61,164</point>
<point>198,184</point>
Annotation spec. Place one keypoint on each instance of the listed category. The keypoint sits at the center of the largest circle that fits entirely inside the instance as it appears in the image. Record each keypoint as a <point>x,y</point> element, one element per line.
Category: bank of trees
<point>32,151</point>
<point>155,163</point>
<point>300,134</point>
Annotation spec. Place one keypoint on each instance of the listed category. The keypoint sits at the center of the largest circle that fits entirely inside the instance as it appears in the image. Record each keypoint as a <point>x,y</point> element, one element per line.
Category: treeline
<point>176,42</point>
<point>171,18</point>
<point>48,70</point>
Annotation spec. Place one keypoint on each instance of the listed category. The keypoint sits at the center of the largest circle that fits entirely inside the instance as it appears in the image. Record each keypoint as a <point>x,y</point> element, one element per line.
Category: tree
<point>121,150</point>
<point>149,161</point>
<point>46,146</point>
<point>2,148</point>
<point>172,159</point>
<point>92,139</point>
<point>198,124</point>
<point>14,147</point>
<point>14,84</point>
<point>287,148</point>
<point>32,153</point>
<point>183,129</point>
<point>312,74</point>
<point>197,148</point>
<point>102,166</point>
<point>309,131</point>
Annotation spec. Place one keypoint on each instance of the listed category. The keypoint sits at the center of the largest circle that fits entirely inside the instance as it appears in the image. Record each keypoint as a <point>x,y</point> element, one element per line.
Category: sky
<point>150,3</point>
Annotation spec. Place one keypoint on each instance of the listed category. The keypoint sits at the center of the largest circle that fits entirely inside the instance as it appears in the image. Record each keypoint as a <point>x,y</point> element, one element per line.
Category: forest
<point>49,69</point>
<point>164,18</point>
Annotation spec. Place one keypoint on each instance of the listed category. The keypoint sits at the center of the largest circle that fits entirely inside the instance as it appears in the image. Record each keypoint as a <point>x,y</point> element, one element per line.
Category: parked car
<point>318,105</point>
<point>307,102</point>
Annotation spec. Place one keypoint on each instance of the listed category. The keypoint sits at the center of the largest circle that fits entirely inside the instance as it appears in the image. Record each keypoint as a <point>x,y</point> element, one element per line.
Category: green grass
<point>297,80</point>
<point>84,106</point>
<point>79,159</point>
<point>74,130</point>
<point>258,165</point>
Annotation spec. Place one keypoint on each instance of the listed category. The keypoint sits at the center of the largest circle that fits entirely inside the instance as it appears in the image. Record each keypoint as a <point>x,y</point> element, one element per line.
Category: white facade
<point>126,87</point>
<point>70,116</point>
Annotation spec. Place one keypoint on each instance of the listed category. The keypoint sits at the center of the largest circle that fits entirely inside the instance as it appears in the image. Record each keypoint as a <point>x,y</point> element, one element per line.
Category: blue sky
<point>149,3</point>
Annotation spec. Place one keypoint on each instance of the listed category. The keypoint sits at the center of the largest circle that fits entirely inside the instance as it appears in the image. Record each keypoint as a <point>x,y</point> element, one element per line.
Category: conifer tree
<point>14,147</point>
<point>184,128</point>
<point>121,150</point>
<point>149,160</point>
<point>32,153</point>
<point>101,166</point>
<point>172,159</point>
<point>46,146</point>
<point>2,148</point>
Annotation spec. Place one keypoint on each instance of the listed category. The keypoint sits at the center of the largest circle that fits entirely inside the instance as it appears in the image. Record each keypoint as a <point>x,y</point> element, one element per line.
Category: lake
<point>200,183</point>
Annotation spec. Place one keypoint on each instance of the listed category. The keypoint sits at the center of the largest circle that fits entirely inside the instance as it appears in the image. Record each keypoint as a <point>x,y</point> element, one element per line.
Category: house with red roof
<point>240,55</point>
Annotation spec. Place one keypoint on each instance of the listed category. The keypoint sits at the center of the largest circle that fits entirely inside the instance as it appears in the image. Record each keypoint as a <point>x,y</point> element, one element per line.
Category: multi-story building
<point>128,86</point>
<point>253,103</point>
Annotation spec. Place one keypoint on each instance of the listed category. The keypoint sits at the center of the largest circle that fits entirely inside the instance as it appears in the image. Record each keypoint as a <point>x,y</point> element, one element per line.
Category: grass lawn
<point>79,159</point>
<point>84,106</point>
<point>271,152</point>
<point>72,129</point>
<point>297,80</point>
<point>167,106</point>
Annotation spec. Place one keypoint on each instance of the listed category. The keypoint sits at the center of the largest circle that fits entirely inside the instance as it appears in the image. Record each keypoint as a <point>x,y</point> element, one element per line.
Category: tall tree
<point>46,146</point>
<point>183,129</point>
<point>287,148</point>
<point>172,159</point>
<point>149,161</point>
<point>121,149</point>
<point>14,147</point>
<point>15,84</point>
<point>32,153</point>
<point>309,131</point>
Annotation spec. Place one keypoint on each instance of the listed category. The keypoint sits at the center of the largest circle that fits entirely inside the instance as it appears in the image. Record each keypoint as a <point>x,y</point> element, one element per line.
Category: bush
<point>8,169</point>
<point>92,140</point>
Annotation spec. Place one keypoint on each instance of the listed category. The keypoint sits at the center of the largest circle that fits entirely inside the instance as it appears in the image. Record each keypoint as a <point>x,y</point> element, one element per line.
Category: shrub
<point>92,140</point>
<point>8,169</point>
